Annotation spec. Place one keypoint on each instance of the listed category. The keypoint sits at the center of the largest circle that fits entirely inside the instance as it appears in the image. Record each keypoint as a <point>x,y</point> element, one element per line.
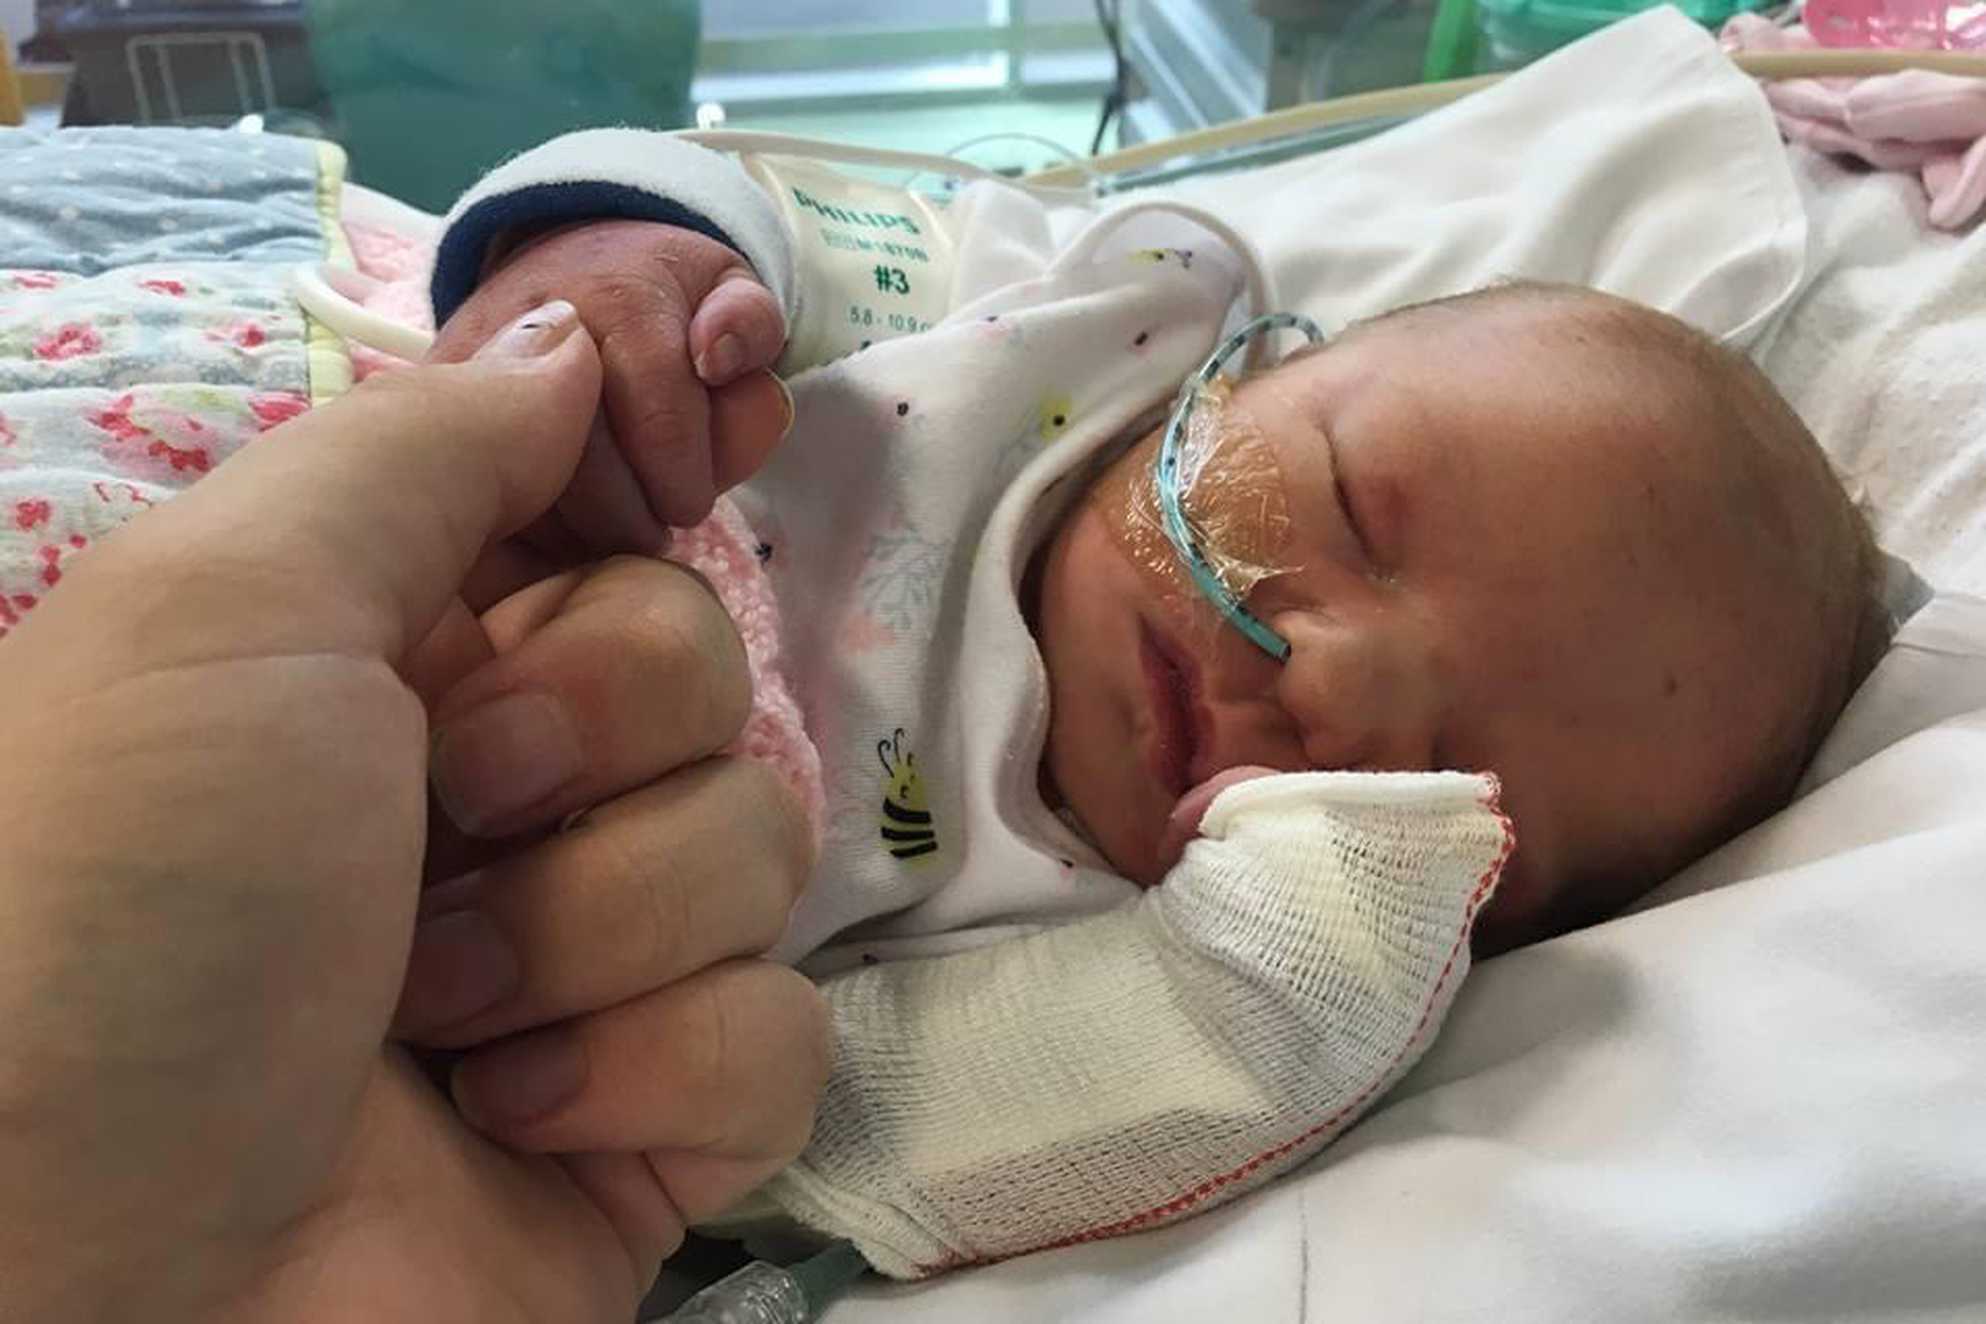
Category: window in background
<point>826,54</point>
<point>425,94</point>
<point>931,77</point>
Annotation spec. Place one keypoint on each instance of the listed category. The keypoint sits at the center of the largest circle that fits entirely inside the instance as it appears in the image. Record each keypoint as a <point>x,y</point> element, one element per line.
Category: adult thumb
<point>348,530</point>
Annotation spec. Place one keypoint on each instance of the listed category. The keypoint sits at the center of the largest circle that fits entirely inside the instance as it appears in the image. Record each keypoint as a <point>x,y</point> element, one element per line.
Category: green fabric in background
<point>428,96</point>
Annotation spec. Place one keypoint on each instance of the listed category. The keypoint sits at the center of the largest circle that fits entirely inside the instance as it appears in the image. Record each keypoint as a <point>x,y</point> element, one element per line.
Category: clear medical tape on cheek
<point>1223,554</point>
<point>1232,497</point>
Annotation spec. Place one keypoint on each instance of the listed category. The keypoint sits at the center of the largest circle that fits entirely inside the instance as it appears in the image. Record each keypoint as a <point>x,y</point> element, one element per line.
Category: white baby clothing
<point>897,519</point>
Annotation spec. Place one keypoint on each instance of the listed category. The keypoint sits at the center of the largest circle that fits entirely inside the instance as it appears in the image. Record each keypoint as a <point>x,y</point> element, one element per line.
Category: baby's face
<point>1496,566</point>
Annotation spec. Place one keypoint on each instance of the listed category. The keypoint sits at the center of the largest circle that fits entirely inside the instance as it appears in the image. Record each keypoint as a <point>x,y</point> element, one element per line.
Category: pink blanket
<point>1932,126</point>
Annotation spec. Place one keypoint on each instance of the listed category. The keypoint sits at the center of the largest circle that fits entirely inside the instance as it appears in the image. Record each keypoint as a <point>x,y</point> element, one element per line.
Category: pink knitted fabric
<point>722,548</point>
<point>1916,122</point>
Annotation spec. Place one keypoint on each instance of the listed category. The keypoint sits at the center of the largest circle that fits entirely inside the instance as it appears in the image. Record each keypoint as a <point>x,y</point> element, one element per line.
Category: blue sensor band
<point>1172,511</point>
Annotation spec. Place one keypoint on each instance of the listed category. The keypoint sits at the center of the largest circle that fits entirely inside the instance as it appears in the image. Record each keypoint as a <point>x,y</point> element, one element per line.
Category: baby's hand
<point>687,336</point>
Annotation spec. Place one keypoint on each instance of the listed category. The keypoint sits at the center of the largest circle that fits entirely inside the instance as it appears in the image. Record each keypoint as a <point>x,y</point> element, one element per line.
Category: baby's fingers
<point>738,328</point>
<point>748,420</point>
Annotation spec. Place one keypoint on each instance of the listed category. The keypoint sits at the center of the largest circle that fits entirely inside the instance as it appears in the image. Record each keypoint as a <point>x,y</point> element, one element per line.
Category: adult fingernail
<point>538,332</point>
<point>720,363</point>
<point>498,760</point>
<point>461,965</point>
<point>521,1081</point>
<point>786,403</point>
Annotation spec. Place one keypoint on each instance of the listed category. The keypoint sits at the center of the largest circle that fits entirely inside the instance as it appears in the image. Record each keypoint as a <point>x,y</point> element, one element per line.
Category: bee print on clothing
<point>906,821</point>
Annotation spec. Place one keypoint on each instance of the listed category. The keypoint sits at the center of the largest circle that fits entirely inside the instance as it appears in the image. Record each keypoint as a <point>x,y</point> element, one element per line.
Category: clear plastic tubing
<point>762,1293</point>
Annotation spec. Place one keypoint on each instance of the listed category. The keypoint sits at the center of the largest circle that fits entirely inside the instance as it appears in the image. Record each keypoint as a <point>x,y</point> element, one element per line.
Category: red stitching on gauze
<point>1184,1202</point>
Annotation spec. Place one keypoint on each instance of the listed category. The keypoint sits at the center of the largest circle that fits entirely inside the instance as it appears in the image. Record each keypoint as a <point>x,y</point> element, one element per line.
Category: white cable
<point>743,140</point>
<point>1069,157</point>
<point>330,294</point>
<point>1062,150</point>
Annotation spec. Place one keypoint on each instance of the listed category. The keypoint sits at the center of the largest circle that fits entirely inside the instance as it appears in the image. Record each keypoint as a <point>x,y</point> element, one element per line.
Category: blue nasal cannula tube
<point>762,1293</point>
<point>1171,501</point>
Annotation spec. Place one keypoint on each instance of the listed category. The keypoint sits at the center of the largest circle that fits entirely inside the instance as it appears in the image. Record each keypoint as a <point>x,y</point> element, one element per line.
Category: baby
<point>1534,531</point>
<point>1540,531</point>
<point>1632,588</point>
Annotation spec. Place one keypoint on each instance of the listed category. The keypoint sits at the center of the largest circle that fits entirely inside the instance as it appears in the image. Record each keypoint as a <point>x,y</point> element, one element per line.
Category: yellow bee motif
<point>1054,415</point>
<point>906,822</point>
<point>1183,256</point>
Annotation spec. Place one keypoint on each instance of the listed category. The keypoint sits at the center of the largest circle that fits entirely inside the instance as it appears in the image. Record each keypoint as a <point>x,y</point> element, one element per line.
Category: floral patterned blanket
<point>146,326</point>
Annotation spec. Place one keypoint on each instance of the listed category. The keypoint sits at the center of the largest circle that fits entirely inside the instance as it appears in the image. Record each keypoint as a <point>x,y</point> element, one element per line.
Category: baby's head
<point>1535,530</point>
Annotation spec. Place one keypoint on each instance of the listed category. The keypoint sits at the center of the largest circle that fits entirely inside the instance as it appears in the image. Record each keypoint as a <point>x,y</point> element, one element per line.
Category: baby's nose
<point>1359,692</point>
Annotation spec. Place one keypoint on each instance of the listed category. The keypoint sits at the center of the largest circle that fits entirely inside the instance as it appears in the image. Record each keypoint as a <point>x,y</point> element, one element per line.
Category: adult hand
<point>213,804</point>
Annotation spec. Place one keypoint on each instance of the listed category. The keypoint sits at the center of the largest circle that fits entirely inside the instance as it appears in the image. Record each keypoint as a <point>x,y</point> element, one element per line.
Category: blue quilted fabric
<point>147,331</point>
<point>87,201</point>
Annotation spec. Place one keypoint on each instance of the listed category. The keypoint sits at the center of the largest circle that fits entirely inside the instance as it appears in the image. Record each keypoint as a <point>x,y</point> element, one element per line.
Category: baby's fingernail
<point>539,331</point>
<point>786,402</point>
<point>461,965</point>
<point>521,1081</point>
<point>498,760</point>
<point>720,363</point>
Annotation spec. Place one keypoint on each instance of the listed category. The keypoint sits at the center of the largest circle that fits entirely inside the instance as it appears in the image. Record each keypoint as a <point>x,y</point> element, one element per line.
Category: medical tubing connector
<point>1167,477</point>
<point>764,1293</point>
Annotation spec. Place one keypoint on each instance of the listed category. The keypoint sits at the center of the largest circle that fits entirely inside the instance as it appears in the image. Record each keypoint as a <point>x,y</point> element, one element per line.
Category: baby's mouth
<point>1170,677</point>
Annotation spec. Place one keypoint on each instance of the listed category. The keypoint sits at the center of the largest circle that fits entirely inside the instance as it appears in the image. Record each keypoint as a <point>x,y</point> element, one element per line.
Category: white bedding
<point>1883,356</point>
<point>1765,1096</point>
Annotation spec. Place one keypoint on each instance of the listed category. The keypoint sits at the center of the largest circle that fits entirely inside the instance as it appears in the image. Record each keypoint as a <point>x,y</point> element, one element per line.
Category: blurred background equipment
<point>170,62</point>
<point>424,95</point>
<point>427,96</point>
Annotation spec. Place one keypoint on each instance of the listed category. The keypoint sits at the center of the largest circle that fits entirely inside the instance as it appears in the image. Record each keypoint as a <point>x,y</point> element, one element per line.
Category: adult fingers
<point>347,531</point>
<point>652,1196</point>
<point>726,1065</point>
<point>624,1188</point>
<point>700,867</point>
<point>602,682</point>
<point>456,646</point>
<point>505,568</point>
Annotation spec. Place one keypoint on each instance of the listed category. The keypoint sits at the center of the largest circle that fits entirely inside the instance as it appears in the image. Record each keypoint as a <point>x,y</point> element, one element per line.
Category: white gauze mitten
<point>1128,1070</point>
